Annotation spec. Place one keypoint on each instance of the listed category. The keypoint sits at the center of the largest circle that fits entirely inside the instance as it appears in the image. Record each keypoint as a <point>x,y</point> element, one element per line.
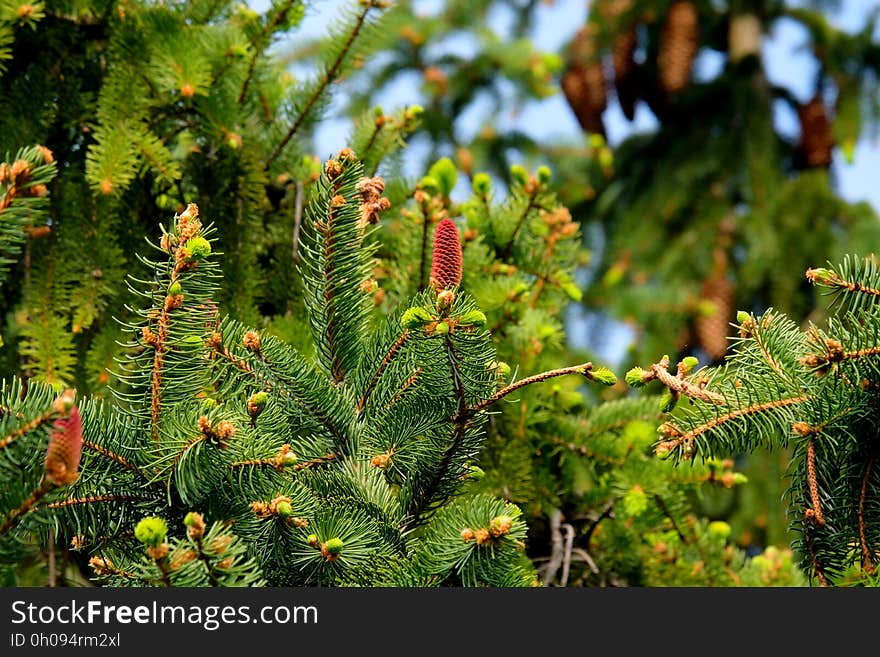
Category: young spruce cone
<point>65,450</point>
<point>447,262</point>
<point>583,82</point>
<point>817,138</point>
<point>713,329</point>
<point>679,42</point>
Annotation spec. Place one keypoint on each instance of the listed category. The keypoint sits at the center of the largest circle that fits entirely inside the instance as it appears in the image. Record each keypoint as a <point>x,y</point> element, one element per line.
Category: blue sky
<point>785,58</point>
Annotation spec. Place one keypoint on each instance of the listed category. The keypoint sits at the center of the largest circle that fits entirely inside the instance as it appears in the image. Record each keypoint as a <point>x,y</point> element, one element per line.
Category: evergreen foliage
<point>811,388</point>
<point>335,405</point>
<point>321,467</point>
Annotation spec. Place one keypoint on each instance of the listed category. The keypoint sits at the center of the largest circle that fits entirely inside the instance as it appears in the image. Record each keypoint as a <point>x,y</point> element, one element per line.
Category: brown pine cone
<point>625,72</point>
<point>679,42</point>
<point>583,82</point>
<point>817,138</point>
<point>713,329</point>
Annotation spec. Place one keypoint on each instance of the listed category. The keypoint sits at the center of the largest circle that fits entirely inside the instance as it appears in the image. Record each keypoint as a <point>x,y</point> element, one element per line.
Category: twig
<point>297,219</point>
<point>566,559</point>
<point>329,77</point>
<point>606,513</point>
<point>583,369</point>
<point>556,548</point>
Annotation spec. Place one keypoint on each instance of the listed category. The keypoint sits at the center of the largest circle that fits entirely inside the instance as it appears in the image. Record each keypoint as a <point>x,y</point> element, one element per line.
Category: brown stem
<point>96,498</point>
<point>689,436</point>
<point>320,460</point>
<point>377,128</point>
<point>817,567</point>
<point>684,387</point>
<point>16,514</point>
<point>837,281</point>
<point>666,512</point>
<point>505,251</point>
<point>386,361</point>
<point>583,370</point>
<point>812,480</point>
<point>206,561</point>
<point>606,513</point>
<point>263,39</point>
<point>166,573</point>
<point>409,383</point>
<point>459,425</point>
<point>26,428</point>
<point>103,451</point>
<point>328,78</point>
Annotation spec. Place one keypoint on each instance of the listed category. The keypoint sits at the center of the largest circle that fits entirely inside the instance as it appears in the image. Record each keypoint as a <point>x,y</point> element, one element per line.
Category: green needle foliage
<point>812,389</point>
<point>347,468</point>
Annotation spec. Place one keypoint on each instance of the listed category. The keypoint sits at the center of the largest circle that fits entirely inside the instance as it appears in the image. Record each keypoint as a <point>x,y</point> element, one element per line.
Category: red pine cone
<point>446,263</point>
<point>65,450</point>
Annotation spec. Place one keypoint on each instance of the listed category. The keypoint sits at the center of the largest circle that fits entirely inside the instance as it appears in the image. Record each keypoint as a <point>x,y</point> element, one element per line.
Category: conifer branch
<point>867,560</point>
<point>829,278</point>
<point>679,438</point>
<point>459,426</point>
<point>817,567</point>
<point>15,516</point>
<point>26,428</point>
<point>386,361</point>
<point>103,451</point>
<point>206,560</point>
<point>329,250</point>
<point>103,566</point>
<point>531,205</point>
<point>328,78</point>
<point>78,501</point>
<point>666,512</point>
<point>215,341</point>
<point>261,42</point>
<point>816,512</point>
<point>583,370</point>
<point>319,460</point>
<point>679,384</point>
<point>409,383</point>
<point>837,355</point>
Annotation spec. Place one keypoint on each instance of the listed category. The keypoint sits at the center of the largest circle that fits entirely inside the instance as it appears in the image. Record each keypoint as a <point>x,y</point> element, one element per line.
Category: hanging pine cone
<point>583,82</point>
<point>817,138</point>
<point>625,71</point>
<point>713,327</point>
<point>679,42</point>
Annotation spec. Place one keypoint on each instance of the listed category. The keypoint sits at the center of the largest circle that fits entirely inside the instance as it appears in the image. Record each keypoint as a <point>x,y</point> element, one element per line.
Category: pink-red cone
<point>65,449</point>
<point>446,264</point>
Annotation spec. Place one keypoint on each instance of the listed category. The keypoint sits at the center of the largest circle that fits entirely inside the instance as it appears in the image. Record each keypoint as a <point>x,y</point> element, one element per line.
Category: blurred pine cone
<point>583,81</point>
<point>679,42</point>
<point>713,328</point>
<point>817,138</point>
<point>625,71</point>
